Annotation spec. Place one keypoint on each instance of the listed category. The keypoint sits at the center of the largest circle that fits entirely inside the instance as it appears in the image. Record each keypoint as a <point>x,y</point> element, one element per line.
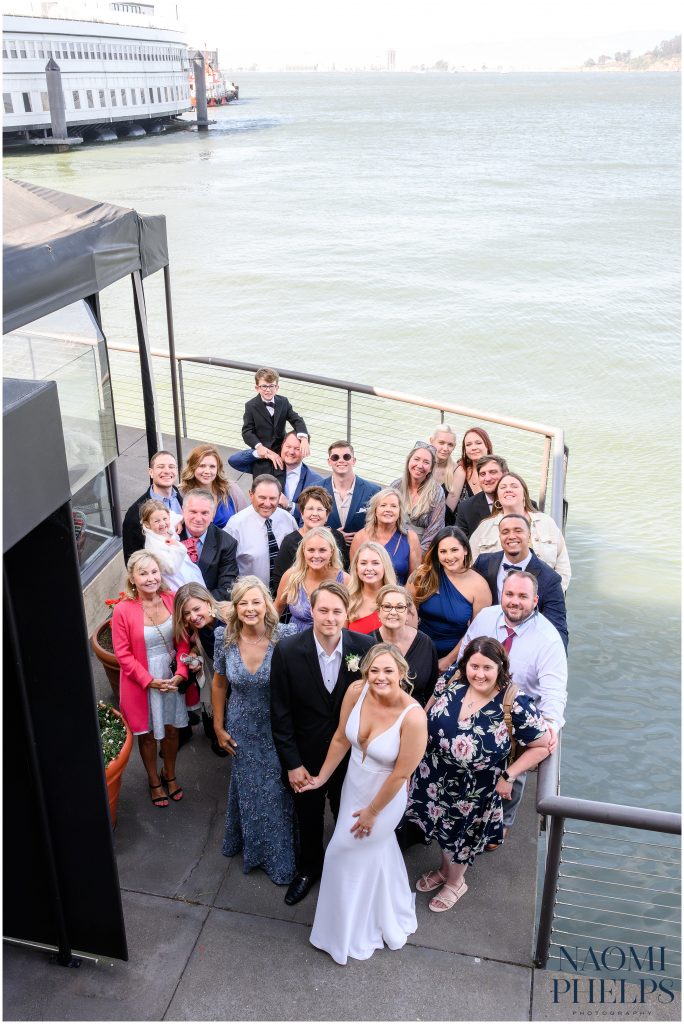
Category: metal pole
<point>200,91</point>
<point>56,100</point>
<point>558,487</point>
<point>546,458</point>
<point>172,360</point>
<point>349,415</point>
<point>548,903</point>
<point>182,397</point>
<point>154,437</point>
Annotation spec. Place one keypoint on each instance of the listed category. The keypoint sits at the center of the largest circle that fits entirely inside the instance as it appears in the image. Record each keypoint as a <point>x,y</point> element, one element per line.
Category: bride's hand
<point>313,783</point>
<point>363,827</point>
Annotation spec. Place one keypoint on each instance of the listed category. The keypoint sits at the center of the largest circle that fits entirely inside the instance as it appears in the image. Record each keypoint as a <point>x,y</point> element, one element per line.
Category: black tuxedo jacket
<point>218,562</point>
<point>551,596</point>
<point>304,716</point>
<point>131,533</point>
<point>471,511</point>
<point>259,427</point>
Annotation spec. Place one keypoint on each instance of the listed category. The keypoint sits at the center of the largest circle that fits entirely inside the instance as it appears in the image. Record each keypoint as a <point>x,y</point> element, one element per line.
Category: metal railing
<point>382,425</point>
<point>583,884</point>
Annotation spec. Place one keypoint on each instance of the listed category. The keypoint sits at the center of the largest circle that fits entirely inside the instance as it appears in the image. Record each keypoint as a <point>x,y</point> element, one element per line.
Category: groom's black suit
<point>304,717</point>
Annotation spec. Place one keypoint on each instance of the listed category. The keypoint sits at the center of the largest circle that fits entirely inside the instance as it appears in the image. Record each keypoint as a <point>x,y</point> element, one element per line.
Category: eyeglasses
<point>347,457</point>
<point>393,608</point>
<point>425,444</point>
<point>267,387</point>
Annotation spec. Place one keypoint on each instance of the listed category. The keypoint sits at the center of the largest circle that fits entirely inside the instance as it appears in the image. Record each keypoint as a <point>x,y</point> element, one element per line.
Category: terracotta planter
<point>107,659</point>
<point>114,771</point>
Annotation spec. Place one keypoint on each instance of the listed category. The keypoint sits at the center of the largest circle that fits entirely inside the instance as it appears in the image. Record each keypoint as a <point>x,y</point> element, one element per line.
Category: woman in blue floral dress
<point>259,818</point>
<point>457,789</point>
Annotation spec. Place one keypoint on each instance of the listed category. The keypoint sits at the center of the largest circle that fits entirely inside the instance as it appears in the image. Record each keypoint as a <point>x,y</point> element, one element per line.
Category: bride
<point>365,899</point>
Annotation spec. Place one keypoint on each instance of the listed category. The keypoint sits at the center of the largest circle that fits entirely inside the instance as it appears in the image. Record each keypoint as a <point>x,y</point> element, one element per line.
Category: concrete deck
<point>207,942</point>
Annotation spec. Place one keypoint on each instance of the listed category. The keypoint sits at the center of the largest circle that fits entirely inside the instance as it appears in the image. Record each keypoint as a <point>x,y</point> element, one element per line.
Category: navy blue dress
<point>397,547</point>
<point>259,818</point>
<point>444,617</point>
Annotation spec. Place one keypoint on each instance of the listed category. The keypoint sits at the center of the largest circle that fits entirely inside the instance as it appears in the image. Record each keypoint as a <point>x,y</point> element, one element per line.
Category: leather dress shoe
<point>298,888</point>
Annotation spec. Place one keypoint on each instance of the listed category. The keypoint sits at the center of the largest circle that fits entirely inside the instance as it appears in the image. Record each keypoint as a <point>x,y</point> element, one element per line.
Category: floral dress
<point>453,796</point>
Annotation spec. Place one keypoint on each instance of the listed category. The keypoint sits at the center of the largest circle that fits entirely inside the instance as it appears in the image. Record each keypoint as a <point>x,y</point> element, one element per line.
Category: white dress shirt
<point>248,528</point>
<point>537,658</point>
<point>502,573</point>
<point>291,480</point>
<point>330,663</point>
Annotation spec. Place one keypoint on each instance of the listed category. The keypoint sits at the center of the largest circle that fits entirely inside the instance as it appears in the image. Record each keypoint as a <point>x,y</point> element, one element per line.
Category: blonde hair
<point>220,485</point>
<point>189,592</point>
<point>451,465</point>
<point>372,513</point>
<point>300,568</point>
<point>401,663</point>
<point>233,625</point>
<point>149,507</point>
<point>136,559</point>
<point>429,492</point>
<point>355,584</point>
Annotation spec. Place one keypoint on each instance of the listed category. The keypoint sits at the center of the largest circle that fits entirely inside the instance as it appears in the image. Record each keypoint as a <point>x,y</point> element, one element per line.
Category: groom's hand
<point>298,777</point>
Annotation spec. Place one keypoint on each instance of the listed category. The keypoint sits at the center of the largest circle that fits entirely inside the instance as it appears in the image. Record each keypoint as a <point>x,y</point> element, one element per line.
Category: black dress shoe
<point>298,888</point>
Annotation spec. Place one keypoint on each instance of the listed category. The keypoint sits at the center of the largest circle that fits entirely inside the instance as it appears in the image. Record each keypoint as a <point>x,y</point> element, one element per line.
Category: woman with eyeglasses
<point>385,524</point>
<point>422,496</point>
<point>395,605</point>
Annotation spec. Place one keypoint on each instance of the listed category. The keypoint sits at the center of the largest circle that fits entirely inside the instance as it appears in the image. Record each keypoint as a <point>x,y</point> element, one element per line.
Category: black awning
<point>59,248</point>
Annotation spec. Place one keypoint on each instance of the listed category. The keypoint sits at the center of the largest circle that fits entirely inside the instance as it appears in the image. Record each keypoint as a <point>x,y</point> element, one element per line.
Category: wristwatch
<point>506,777</point>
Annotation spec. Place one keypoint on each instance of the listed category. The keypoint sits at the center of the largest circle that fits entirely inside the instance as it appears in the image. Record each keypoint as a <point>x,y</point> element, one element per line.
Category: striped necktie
<point>272,549</point>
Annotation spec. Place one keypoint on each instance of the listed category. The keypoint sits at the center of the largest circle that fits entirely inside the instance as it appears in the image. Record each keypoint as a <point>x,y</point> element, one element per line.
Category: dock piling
<point>200,91</point>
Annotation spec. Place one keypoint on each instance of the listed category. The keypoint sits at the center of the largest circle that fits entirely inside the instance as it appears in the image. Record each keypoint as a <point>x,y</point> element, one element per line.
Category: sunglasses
<point>347,457</point>
<point>424,444</point>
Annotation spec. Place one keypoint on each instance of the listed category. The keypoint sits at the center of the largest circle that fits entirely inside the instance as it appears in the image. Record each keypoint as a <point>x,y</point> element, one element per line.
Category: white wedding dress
<point>365,899</point>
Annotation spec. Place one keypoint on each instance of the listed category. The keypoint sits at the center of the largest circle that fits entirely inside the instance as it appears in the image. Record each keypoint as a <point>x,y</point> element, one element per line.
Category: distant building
<point>391,60</point>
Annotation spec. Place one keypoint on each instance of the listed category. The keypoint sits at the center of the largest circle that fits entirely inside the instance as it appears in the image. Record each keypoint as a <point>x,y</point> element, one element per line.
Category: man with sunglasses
<point>350,493</point>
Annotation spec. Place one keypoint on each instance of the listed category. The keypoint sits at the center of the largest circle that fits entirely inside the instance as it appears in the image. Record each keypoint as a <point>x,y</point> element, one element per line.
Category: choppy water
<point>519,232</point>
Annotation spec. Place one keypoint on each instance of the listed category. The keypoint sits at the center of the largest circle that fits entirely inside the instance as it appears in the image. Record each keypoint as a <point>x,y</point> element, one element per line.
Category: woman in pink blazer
<point>151,702</point>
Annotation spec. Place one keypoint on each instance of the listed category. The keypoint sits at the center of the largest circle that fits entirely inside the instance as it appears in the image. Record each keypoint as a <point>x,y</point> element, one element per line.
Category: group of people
<point>398,651</point>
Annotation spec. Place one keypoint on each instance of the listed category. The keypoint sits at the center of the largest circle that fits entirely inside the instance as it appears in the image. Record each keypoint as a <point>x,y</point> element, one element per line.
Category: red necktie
<point>510,634</point>
<point>191,545</point>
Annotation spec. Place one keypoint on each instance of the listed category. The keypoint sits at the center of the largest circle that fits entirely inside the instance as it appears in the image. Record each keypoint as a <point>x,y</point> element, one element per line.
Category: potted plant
<point>101,643</point>
<point>117,743</point>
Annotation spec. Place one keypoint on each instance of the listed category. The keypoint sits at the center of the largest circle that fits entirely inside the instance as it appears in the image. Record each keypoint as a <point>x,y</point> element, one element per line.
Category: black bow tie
<point>270,405</point>
<point>515,568</point>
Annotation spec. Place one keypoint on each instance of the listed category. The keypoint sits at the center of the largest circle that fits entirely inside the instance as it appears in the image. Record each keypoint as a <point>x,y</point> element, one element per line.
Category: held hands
<point>266,453</point>
<point>348,536</point>
<point>364,825</point>
<point>315,783</point>
<point>300,779</point>
<point>503,788</point>
<point>225,741</point>
<point>165,685</point>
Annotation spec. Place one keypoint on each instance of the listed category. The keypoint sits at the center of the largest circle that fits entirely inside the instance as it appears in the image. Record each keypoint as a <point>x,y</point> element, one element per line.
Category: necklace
<point>253,642</point>
<point>475,700</point>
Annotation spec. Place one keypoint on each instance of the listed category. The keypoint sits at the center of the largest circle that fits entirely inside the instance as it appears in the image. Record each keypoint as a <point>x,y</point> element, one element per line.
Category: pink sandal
<point>424,883</point>
<point>452,896</point>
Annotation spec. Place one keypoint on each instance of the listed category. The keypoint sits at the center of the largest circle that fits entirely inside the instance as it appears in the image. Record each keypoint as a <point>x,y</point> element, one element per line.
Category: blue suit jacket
<point>356,517</point>
<point>551,596</point>
<point>307,478</point>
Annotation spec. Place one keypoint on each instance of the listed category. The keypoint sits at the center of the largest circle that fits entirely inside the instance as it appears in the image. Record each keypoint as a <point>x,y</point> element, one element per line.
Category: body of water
<point>508,242</point>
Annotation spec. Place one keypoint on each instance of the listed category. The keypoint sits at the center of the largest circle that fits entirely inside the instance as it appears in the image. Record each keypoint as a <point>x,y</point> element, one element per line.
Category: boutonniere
<point>352,662</point>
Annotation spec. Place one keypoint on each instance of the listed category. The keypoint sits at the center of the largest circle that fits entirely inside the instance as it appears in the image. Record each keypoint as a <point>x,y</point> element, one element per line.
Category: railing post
<point>182,398</point>
<point>349,415</point>
<point>546,458</point>
<point>548,902</point>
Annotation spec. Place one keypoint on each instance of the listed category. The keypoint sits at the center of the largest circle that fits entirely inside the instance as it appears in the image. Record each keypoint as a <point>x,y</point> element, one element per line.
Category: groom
<point>310,673</point>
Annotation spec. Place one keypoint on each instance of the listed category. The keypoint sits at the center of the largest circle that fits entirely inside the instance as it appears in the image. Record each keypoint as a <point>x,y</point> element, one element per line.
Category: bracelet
<point>373,808</point>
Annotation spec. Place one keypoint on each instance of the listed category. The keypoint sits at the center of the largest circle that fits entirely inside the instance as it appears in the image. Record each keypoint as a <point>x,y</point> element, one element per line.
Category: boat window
<point>124,99</point>
<point>112,94</point>
<point>7,100</point>
<point>133,97</point>
<point>31,47</point>
<point>41,51</point>
<point>26,96</point>
<point>142,96</point>
<point>22,48</point>
<point>159,93</point>
<point>89,98</point>
<point>13,49</point>
<point>79,51</point>
<point>72,50</point>
<point>102,98</point>
<point>45,100</point>
<point>77,99</point>
<point>4,50</point>
<point>151,95</point>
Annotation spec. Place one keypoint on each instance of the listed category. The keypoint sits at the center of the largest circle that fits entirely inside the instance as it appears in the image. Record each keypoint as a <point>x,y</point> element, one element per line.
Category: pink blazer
<point>128,636</point>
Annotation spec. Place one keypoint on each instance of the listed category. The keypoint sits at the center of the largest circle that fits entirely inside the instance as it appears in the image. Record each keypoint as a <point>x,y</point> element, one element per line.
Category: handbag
<point>509,696</point>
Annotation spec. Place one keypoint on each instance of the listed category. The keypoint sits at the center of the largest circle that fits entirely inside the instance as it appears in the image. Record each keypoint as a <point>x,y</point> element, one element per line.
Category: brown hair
<point>340,444</point>
<point>465,461</point>
<point>220,485</point>
<point>527,501</point>
<point>488,648</point>
<point>314,493</point>
<point>426,577</point>
<point>189,592</point>
<point>267,374</point>
<point>330,587</point>
<point>148,507</point>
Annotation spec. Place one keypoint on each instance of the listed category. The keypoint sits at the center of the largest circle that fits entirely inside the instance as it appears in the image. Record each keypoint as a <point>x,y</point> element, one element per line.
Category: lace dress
<point>167,708</point>
<point>259,817</point>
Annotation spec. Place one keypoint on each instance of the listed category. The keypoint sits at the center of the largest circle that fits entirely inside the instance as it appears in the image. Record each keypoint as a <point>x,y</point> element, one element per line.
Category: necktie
<point>272,548</point>
<point>191,545</point>
<point>510,635</point>
<point>515,568</point>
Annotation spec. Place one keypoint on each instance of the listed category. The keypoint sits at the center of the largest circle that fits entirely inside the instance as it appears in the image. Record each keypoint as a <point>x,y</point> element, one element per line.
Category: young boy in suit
<point>264,426</point>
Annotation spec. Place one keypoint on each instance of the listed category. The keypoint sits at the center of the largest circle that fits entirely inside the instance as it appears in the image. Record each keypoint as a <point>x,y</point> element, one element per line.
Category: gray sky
<point>531,33</point>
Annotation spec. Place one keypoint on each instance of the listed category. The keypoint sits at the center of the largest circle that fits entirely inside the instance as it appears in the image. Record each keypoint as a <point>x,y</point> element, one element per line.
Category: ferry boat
<point>124,67</point>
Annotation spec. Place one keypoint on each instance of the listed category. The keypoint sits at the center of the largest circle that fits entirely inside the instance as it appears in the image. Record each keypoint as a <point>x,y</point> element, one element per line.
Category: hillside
<point>667,56</point>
